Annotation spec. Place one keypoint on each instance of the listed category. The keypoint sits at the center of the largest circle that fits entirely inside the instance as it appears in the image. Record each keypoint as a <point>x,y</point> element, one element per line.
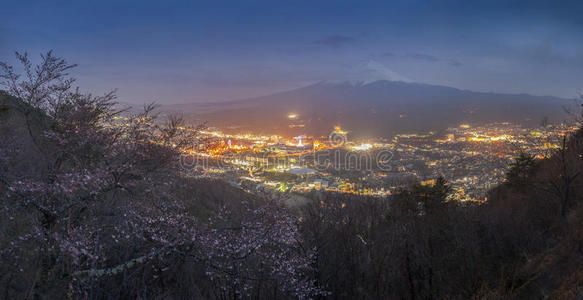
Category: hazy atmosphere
<point>194,51</point>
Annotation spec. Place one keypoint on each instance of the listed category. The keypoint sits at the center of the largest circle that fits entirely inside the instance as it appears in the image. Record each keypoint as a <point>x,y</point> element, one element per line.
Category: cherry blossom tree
<point>90,206</point>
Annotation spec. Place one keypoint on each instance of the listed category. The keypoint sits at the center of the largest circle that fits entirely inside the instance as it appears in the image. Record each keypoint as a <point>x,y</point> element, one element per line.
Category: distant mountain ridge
<point>380,108</point>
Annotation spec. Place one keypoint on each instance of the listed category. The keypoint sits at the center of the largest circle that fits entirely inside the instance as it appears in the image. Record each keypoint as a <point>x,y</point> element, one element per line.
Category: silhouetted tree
<point>521,170</point>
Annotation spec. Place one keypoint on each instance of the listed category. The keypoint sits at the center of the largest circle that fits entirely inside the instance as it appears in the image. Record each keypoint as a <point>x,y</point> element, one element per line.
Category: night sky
<point>195,51</point>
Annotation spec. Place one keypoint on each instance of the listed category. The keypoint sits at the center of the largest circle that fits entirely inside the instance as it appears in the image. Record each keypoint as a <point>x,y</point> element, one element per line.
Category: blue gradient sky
<point>194,51</point>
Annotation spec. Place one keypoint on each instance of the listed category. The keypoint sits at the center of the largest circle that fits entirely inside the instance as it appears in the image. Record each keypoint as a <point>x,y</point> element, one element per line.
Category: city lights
<point>476,154</point>
<point>362,147</point>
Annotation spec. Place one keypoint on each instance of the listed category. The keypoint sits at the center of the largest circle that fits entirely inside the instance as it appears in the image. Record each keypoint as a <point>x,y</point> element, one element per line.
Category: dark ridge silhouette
<point>380,108</point>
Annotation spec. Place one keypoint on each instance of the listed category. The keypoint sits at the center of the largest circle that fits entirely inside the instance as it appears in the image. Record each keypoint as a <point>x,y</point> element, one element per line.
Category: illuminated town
<point>472,159</point>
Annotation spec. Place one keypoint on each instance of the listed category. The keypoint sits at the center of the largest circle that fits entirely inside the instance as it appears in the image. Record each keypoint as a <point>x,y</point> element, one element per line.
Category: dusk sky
<point>199,51</point>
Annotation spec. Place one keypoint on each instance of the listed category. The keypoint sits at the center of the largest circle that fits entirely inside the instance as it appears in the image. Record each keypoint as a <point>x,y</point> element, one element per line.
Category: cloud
<point>454,63</point>
<point>431,58</point>
<point>335,41</point>
<point>387,54</point>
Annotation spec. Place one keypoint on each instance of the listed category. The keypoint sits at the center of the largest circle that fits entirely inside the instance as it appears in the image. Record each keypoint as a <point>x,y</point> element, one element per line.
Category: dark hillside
<point>95,206</point>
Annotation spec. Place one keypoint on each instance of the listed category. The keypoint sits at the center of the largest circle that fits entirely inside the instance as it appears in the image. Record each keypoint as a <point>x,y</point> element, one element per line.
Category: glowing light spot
<point>362,147</point>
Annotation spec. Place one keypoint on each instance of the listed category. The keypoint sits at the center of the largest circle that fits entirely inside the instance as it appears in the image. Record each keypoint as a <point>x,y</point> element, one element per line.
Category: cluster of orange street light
<point>225,144</point>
